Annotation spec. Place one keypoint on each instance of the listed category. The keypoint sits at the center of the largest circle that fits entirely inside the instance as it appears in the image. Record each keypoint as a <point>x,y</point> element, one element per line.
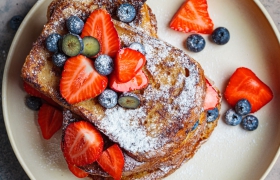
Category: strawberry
<point>211,98</point>
<point>49,120</point>
<point>112,161</point>
<point>80,81</point>
<point>193,16</point>
<point>77,171</point>
<point>83,143</point>
<point>99,25</point>
<point>244,84</point>
<point>33,92</point>
<point>128,63</point>
<point>138,82</point>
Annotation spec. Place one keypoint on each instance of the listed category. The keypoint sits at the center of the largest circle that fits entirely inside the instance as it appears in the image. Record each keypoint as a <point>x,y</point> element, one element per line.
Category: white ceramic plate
<point>230,153</point>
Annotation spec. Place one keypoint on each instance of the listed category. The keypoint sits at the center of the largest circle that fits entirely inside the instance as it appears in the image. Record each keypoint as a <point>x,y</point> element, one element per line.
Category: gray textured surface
<point>9,165</point>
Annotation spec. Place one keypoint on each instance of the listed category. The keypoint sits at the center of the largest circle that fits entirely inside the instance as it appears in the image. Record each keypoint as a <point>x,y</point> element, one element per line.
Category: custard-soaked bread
<point>170,105</point>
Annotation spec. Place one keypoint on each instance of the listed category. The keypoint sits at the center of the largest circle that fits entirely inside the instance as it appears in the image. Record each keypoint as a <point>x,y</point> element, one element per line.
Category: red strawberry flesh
<point>140,81</point>
<point>112,161</point>
<point>212,97</point>
<point>77,171</point>
<point>193,16</point>
<point>244,84</point>
<point>49,120</point>
<point>99,25</point>
<point>128,63</point>
<point>82,144</point>
<point>80,81</point>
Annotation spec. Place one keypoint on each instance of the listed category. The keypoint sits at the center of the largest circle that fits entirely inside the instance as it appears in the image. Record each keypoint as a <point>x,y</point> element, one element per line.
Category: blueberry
<point>243,107</point>
<point>33,103</point>
<point>212,114</point>
<point>129,101</point>
<point>15,22</point>
<point>72,44</point>
<point>195,125</point>
<point>220,36</point>
<point>91,46</point>
<point>232,118</point>
<point>195,43</point>
<point>74,24</point>
<point>104,64</point>
<point>126,12</point>
<point>52,42</point>
<point>108,98</point>
<point>250,123</point>
<point>59,59</point>
<point>138,47</point>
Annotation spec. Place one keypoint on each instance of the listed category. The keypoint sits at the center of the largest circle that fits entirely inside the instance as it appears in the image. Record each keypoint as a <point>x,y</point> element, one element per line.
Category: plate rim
<point>8,64</point>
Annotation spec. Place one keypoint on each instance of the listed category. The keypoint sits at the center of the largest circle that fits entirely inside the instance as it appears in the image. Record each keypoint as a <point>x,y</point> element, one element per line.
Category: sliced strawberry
<point>33,92</point>
<point>112,161</point>
<point>139,81</point>
<point>245,84</point>
<point>128,63</point>
<point>212,97</point>
<point>77,171</point>
<point>99,25</point>
<point>193,16</point>
<point>49,120</point>
<point>82,144</point>
<point>80,81</point>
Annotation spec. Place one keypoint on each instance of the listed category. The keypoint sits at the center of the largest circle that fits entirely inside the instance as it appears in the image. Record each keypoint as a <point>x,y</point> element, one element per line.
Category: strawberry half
<point>193,16</point>
<point>50,120</point>
<point>99,25</point>
<point>128,63</point>
<point>139,81</point>
<point>211,98</point>
<point>80,81</point>
<point>112,161</point>
<point>245,84</point>
<point>82,144</point>
<point>77,171</point>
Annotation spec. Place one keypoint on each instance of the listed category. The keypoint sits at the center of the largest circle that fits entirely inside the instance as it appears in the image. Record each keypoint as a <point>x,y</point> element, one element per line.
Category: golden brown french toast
<point>175,92</point>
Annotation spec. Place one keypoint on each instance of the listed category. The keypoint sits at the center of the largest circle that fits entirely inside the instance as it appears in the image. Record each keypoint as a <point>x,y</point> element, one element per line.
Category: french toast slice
<point>170,105</point>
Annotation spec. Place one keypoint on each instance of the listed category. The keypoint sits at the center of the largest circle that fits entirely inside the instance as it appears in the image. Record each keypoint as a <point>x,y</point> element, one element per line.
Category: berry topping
<point>138,47</point>
<point>77,171</point>
<point>128,63</point>
<point>59,59</point>
<point>108,99</point>
<point>80,81</point>
<point>195,43</point>
<point>243,107</point>
<point>195,125</point>
<point>244,84</point>
<point>91,46</point>
<point>72,45</point>
<point>104,64</point>
<point>49,120</point>
<point>212,114</point>
<point>220,36</point>
<point>211,98</point>
<point>250,123</point>
<point>15,22</point>
<point>74,24</point>
<point>126,12</point>
<point>112,161</point>
<point>33,103</point>
<point>232,118</point>
<point>100,26</point>
<point>82,143</point>
<point>129,101</point>
<point>140,81</point>
<point>193,16</point>
<point>52,42</point>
